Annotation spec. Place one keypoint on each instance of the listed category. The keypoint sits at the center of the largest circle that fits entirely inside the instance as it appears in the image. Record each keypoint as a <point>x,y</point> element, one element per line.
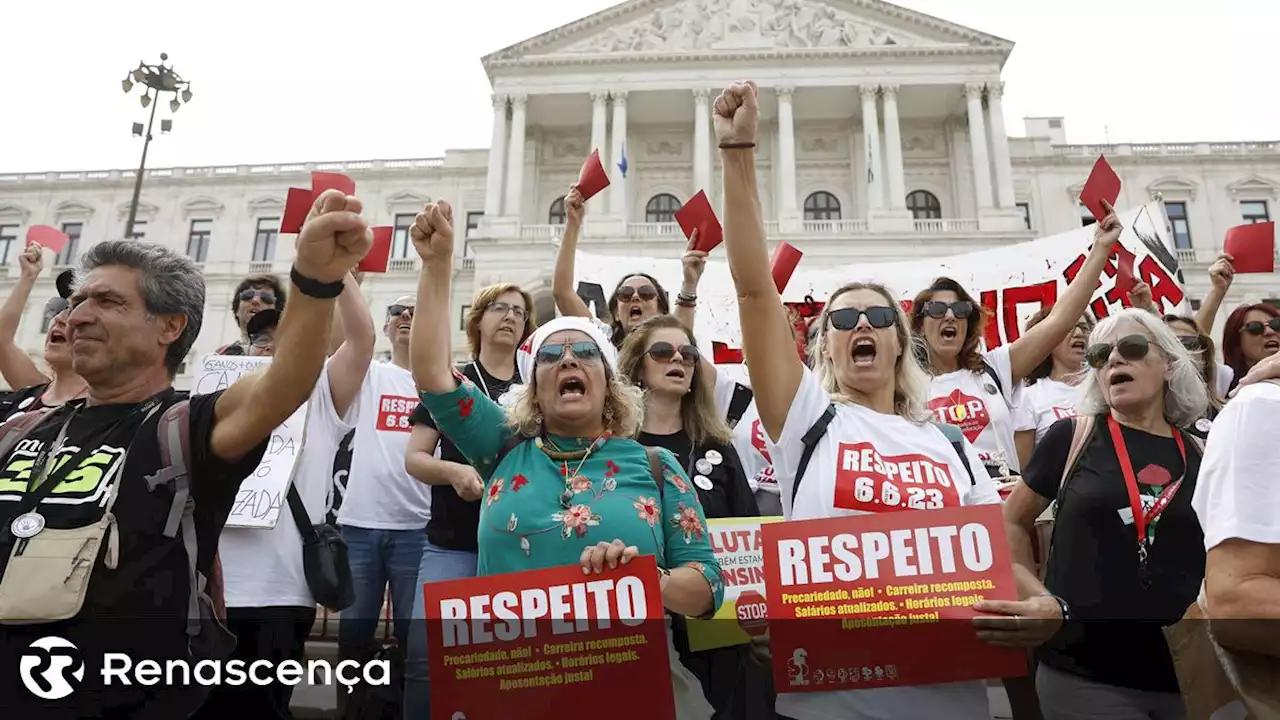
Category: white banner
<point>1012,282</point>
<point>262,494</point>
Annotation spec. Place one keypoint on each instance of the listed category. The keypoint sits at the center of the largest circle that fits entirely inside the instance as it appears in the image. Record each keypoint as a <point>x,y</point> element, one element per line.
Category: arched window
<point>556,215</point>
<point>924,205</point>
<point>661,208</point>
<point>821,205</point>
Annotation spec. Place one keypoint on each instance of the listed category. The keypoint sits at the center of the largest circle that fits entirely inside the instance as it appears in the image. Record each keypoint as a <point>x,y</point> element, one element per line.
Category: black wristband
<point>736,145</point>
<point>314,288</point>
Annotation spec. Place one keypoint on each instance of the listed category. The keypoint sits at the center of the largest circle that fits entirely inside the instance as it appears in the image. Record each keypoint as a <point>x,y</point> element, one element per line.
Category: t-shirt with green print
<point>525,524</point>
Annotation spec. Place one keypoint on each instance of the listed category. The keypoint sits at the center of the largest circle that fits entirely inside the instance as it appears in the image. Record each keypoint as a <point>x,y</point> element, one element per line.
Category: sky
<point>290,81</point>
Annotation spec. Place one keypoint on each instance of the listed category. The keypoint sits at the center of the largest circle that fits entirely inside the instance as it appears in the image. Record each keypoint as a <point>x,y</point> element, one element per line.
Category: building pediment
<point>1174,186</point>
<point>73,209</point>
<point>146,210</point>
<point>406,198</point>
<point>202,205</point>
<point>14,213</point>
<point>266,202</point>
<point>683,27</point>
<point>1253,186</point>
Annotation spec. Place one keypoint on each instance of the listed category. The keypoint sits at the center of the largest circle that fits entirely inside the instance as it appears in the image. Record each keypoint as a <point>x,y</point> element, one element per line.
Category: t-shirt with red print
<point>1049,401</point>
<point>873,462</point>
<point>974,402</point>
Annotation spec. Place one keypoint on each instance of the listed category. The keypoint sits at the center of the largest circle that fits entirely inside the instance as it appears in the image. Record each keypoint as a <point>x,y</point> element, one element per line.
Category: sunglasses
<point>664,351</point>
<point>1257,327</point>
<point>936,309</point>
<point>267,297</point>
<point>1132,348</point>
<point>585,350</point>
<point>1193,344</point>
<point>879,317</point>
<point>626,293</point>
<point>261,341</point>
<point>398,310</point>
<point>501,308</point>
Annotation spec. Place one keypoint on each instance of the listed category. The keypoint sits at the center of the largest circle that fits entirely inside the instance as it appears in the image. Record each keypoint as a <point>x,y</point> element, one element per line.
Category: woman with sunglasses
<point>973,388</point>
<point>1200,347</point>
<point>564,480</point>
<point>1053,387</point>
<point>1251,333</point>
<point>33,389</point>
<point>1127,552</point>
<point>870,388</point>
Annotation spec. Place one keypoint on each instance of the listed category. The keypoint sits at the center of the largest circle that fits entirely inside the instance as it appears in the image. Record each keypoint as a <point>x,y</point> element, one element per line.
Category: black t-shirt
<point>16,402</point>
<point>453,520</point>
<point>140,607</point>
<point>1115,635</point>
<point>729,494</point>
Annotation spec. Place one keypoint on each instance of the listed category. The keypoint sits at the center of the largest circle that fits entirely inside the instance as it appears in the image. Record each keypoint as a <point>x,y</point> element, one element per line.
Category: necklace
<point>564,457</point>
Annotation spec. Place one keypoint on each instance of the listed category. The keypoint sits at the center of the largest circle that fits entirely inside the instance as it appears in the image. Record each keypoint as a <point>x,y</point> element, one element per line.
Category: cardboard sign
<point>592,178</point>
<point>1103,184</point>
<point>1252,247</point>
<point>783,264</point>
<point>379,255</point>
<point>879,600</point>
<point>697,214</point>
<point>738,546</point>
<point>546,640</point>
<point>47,236</point>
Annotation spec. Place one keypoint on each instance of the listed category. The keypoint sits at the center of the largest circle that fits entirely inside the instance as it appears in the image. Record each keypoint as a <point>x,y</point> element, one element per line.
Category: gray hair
<point>1185,396</point>
<point>170,284</point>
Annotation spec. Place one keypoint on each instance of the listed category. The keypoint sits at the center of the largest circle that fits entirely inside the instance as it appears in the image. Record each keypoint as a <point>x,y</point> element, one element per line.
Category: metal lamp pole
<point>155,79</point>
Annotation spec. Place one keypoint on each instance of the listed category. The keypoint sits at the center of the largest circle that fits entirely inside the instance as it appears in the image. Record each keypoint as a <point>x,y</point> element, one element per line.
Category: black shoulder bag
<point>324,558</point>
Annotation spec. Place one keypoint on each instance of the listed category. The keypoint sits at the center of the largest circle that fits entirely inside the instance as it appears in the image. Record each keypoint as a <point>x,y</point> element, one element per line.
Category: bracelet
<point>684,300</point>
<point>315,288</point>
<point>736,145</point>
<point>1062,605</point>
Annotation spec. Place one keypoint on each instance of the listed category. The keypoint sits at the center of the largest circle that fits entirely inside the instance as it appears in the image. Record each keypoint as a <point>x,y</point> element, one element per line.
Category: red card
<point>50,237</point>
<point>867,601</point>
<point>592,178</point>
<point>1103,184</point>
<point>784,262</point>
<point>297,204</point>
<point>548,640</point>
<point>380,252</point>
<point>1252,247</point>
<point>321,181</point>
<point>698,215</point>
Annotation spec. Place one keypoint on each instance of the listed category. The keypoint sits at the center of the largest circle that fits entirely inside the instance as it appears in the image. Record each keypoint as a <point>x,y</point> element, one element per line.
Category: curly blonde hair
<point>698,412</point>
<point>623,407</point>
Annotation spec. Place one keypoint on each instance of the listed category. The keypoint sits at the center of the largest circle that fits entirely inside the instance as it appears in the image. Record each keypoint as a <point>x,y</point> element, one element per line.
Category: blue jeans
<point>379,558</point>
<point>437,564</point>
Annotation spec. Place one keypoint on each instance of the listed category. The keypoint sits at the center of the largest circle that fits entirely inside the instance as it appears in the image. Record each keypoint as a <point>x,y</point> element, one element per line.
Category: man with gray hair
<point>111,506</point>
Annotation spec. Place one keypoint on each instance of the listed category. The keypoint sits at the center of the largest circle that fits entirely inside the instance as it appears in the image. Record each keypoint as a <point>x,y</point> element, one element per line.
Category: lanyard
<point>40,467</point>
<point>480,376</point>
<point>1142,520</point>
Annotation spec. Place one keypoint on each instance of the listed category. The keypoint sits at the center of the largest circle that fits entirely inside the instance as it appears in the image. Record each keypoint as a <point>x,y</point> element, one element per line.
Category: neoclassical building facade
<point>882,137</point>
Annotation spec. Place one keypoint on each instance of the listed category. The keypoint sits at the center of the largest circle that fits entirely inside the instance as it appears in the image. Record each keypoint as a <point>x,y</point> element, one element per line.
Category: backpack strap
<point>810,441</point>
<point>1081,431</point>
<point>15,429</point>
<point>655,470</point>
<point>741,400</point>
<point>955,436</point>
<point>173,434</point>
<point>511,444</point>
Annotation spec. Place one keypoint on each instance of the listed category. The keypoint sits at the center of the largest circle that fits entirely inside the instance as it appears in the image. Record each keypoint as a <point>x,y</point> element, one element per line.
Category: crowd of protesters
<point>1074,406</point>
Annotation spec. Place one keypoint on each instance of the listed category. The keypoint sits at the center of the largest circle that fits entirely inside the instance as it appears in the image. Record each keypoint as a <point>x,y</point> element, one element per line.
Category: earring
<point>608,415</point>
<point>537,414</point>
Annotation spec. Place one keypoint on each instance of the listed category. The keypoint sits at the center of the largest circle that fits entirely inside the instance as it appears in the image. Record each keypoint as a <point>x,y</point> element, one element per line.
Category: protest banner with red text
<point>886,599</point>
<point>551,639</point>
<point>738,546</point>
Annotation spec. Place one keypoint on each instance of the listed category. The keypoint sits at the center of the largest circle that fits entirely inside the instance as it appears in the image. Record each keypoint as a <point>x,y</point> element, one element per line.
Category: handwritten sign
<point>547,640</point>
<point>886,599</point>
<point>262,494</point>
<point>738,546</point>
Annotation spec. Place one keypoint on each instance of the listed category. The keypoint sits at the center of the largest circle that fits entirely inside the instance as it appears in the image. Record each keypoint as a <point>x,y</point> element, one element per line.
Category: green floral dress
<point>525,525</point>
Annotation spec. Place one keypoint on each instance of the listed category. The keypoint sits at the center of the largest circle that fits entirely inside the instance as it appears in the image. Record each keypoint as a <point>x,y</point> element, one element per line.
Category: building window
<point>821,205</point>
<point>1025,209</point>
<point>1086,215</point>
<point>71,250</point>
<point>556,215</point>
<point>8,236</point>
<point>924,205</point>
<point>198,240</point>
<point>139,230</point>
<point>473,224</point>
<point>401,243</point>
<point>264,241</point>
<point>1254,211</point>
<point>462,318</point>
<point>661,208</point>
<point>1177,212</point>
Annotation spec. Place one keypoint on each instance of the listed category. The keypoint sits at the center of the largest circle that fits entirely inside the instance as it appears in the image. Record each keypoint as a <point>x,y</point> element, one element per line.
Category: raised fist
<point>432,232</point>
<point>31,261</point>
<point>1222,272</point>
<point>573,205</point>
<point>737,111</point>
<point>334,238</point>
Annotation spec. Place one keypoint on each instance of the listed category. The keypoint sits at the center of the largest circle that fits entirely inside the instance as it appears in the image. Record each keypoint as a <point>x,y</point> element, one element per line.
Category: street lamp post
<point>155,79</point>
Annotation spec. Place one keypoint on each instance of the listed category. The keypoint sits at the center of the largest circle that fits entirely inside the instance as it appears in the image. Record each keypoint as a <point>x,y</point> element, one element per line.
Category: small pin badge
<point>703,466</point>
<point>715,457</point>
<point>991,389</point>
<point>1204,424</point>
<point>702,481</point>
<point>27,525</point>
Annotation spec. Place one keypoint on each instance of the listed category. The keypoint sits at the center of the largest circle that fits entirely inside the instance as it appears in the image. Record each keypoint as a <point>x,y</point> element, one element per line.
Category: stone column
<point>617,187</point>
<point>497,151</point>
<point>978,145</point>
<point>787,152</point>
<point>893,149</point>
<point>1000,146</point>
<point>515,158</point>
<point>599,102</point>
<point>871,133</point>
<point>702,142</point>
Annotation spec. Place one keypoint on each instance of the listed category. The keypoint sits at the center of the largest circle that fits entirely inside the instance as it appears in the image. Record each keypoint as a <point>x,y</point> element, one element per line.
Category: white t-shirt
<point>380,494</point>
<point>263,568</point>
<point>1236,492</point>
<point>861,436</point>
<point>1049,401</point>
<point>1223,381</point>
<point>973,402</point>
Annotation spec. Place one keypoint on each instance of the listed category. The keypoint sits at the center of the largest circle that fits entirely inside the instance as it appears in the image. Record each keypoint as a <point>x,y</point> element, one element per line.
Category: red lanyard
<point>1142,519</point>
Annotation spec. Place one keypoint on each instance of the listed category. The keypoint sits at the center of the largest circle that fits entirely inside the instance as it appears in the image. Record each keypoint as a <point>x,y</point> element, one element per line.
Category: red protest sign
<point>379,255</point>
<point>783,264</point>
<point>592,179</point>
<point>697,214</point>
<point>297,204</point>
<point>545,640</point>
<point>1252,247</point>
<point>1103,184</point>
<point>321,181</point>
<point>868,600</point>
<point>47,236</point>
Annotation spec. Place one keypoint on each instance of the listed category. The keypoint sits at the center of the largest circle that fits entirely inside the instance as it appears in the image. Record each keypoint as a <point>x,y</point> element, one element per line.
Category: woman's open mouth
<point>949,332</point>
<point>1120,378</point>
<point>676,372</point>
<point>572,387</point>
<point>864,352</point>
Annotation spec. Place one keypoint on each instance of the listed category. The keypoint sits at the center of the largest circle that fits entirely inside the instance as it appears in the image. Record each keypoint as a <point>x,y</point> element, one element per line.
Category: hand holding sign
<point>1253,247</point>
<point>595,558</point>
<point>592,178</point>
<point>1018,623</point>
<point>47,236</point>
<point>697,218</point>
<point>31,261</point>
<point>1222,272</point>
<point>574,206</point>
<point>694,263</point>
<point>1101,190</point>
<point>380,252</point>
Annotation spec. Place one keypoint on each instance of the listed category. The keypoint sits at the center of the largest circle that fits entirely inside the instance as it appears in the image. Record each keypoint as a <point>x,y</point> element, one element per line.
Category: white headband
<point>529,349</point>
